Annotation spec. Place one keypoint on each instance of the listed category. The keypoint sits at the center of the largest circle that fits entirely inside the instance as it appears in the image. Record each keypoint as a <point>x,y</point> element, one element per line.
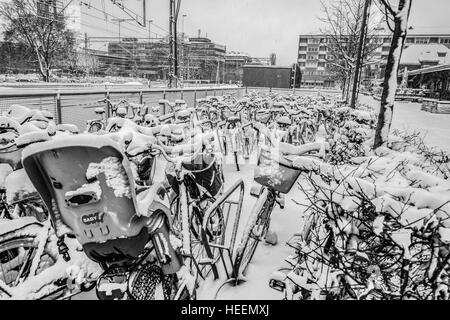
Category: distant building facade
<point>314,55</point>
<point>204,60</point>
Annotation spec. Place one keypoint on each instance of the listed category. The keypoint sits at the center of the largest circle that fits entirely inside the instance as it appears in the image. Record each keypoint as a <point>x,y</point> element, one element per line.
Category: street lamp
<point>149,28</point>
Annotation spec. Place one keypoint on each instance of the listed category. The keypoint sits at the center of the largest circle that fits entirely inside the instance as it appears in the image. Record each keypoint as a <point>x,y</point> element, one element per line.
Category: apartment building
<point>314,55</point>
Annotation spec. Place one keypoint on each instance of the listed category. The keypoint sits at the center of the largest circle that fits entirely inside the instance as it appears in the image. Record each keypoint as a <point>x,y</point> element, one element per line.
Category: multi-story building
<point>146,59</point>
<point>314,55</point>
<point>204,60</point>
<point>234,66</point>
<point>199,58</point>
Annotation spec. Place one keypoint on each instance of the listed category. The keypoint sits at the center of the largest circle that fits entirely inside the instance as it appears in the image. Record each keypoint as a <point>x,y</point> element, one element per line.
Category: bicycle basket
<point>278,175</point>
<point>206,172</point>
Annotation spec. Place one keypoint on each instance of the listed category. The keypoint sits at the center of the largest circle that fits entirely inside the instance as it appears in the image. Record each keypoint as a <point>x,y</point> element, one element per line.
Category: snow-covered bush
<point>352,129</point>
<point>377,227</point>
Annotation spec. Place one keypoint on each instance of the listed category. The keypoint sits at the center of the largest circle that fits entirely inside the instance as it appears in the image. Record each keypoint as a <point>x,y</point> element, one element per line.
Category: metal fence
<point>76,107</point>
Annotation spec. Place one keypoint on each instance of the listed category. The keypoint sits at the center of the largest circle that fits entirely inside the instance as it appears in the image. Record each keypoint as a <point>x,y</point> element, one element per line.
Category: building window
<point>302,48</point>
<point>322,56</point>
<point>385,49</point>
<point>302,56</point>
<point>323,48</point>
<point>303,40</point>
<point>313,49</point>
<point>302,64</point>
<point>321,64</point>
<point>311,58</point>
<point>422,41</point>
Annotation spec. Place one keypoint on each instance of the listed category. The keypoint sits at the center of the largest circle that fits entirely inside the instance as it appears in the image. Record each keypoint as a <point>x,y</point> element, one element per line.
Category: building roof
<point>412,31</point>
<point>422,31</point>
<point>417,54</point>
<point>433,69</point>
<point>265,66</point>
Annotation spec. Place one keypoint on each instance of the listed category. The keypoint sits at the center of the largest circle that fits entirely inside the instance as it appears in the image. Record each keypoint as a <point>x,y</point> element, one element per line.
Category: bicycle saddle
<point>99,110</point>
<point>233,120</point>
<point>32,137</point>
<point>150,120</point>
<point>121,112</point>
<point>9,123</point>
<point>284,120</point>
<point>183,116</point>
<point>19,187</point>
<point>71,128</point>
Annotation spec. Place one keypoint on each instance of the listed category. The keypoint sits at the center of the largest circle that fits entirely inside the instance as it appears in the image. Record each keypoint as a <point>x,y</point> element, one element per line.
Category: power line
<point>103,11</point>
<point>123,27</point>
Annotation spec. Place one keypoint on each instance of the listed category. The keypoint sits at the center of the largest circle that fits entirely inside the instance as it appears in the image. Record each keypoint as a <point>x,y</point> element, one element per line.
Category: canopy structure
<point>435,78</point>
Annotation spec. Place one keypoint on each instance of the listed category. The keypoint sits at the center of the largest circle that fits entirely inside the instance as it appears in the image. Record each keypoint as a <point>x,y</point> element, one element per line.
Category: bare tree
<point>42,29</point>
<point>400,18</point>
<point>343,21</point>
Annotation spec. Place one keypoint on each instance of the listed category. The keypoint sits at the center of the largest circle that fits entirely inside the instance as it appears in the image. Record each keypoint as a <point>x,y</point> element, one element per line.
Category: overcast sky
<point>257,27</point>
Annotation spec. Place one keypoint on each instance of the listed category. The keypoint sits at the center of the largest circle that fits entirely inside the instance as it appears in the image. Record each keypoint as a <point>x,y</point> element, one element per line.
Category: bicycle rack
<point>225,251</point>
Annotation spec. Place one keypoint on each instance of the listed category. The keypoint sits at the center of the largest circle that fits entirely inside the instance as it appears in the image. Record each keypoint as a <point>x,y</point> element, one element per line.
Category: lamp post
<point>149,28</point>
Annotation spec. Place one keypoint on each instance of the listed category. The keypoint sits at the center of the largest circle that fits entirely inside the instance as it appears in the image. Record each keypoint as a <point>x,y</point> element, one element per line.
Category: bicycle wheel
<point>257,232</point>
<point>16,256</point>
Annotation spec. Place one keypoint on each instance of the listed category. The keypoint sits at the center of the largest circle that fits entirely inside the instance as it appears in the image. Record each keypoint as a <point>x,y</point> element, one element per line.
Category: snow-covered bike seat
<point>87,184</point>
<point>19,187</point>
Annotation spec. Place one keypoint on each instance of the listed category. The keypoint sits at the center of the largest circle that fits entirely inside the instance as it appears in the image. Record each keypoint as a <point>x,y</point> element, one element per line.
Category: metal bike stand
<point>225,251</point>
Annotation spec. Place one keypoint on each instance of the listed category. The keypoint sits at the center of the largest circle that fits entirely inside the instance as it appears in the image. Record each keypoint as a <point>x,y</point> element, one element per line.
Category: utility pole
<point>171,46</point>
<point>173,55</point>
<point>183,68</point>
<point>120,22</point>
<point>149,29</point>
<point>359,62</point>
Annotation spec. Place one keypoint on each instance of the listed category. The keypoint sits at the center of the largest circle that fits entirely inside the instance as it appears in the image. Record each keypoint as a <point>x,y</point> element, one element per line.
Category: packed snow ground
<point>408,116</point>
<point>286,222</point>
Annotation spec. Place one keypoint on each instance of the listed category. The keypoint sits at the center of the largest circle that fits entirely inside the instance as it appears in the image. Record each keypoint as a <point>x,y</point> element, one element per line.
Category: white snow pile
<point>115,175</point>
<point>93,187</point>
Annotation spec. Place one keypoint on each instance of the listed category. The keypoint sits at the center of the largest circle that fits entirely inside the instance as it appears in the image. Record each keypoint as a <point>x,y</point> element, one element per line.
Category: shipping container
<point>267,76</point>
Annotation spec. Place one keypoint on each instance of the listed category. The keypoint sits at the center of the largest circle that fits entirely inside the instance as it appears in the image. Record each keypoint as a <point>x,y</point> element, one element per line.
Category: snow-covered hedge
<point>377,226</point>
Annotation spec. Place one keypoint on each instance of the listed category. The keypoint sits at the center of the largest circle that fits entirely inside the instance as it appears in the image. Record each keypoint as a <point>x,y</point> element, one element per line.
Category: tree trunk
<point>390,78</point>
<point>347,90</point>
<point>360,57</point>
<point>343,88</point>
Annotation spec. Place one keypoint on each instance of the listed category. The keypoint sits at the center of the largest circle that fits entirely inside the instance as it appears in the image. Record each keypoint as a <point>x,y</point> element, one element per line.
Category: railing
<point>77,106</point>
